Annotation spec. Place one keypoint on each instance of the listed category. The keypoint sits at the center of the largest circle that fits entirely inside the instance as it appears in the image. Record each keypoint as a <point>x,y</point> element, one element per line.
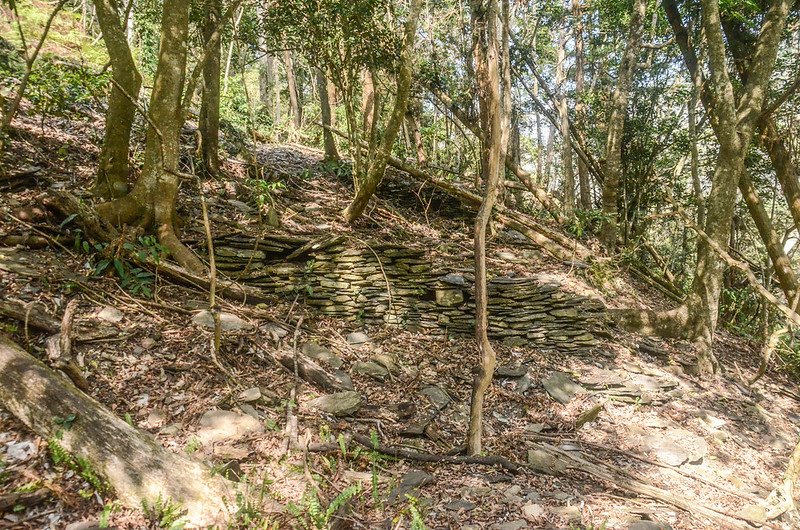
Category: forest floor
<point>709,442</point>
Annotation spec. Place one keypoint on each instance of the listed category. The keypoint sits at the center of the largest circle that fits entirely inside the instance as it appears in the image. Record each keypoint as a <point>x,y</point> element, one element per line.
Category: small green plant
<point>193,445</point>
<point>412,510</point>
<point>80,465</point>
<point>311,513</point>
<point>164,513</point>
<point>105,258</point>
<point>585,222</point>
<point>104,521</point>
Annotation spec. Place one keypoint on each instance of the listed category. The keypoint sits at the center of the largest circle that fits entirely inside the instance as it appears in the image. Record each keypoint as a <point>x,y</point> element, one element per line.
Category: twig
<point>291,419</point>
<point>405,454</point>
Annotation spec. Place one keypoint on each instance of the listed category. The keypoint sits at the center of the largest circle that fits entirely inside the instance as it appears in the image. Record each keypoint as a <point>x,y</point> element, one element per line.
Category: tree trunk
<point>584,186</point>
<point>567,173</point>
<point>616,126</point>
<point>413,116</point>
<point>780,155</point>
<point>295,103</point>
<point>138,469</point>
<point>377,164</point>
<point>325,106</point>
<point>209,106</point>
<point>112,173</point>
<point>151,203</point>
<point>487,74</point>
<point>733,117</point>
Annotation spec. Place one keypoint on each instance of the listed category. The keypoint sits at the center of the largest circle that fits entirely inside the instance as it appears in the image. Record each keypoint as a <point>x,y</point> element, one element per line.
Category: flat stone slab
<point>410,482</point>
<point>228,321</point>
<point>219,425</point>
<point>561,387</point>
<point>321,354</point>
<point>338,403</point>
<point>357,337</point>
<point>371,369</point>
<point>510,370</point>
<point>437,396</point>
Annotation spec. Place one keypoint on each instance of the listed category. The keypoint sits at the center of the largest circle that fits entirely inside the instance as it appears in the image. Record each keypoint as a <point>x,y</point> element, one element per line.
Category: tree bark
<point>584,186</point>
<point>151,203</point>
<point>325,107</point>
<point>413,116</point>
<point>567,172</point>
<point>377,164</point>
<point>138,469</point>
<point>487,74</point>
<point>616,126</point>
<point>209,106</point>
<point>295,103</point>
<point>112,172</point>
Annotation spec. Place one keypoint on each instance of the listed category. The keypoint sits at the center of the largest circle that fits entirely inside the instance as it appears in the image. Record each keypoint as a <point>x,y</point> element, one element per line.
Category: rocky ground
<point>624,407</point>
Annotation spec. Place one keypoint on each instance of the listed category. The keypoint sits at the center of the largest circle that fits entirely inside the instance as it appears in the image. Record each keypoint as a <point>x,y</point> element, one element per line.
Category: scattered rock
<point>572,514</point>
<point>643,524</point>
<point>228,321</point>
<point>411,481</point>
<point>454,279</point>
<point>219,425</point>
<point>533,511</point>
<point>170,430</point>
<point>438,397</point>
<point>343,378</point>
<point>321,354</point>
<point>372,369</point>
<point>249,410</point>
<point>561,387</point>
<point>459,504</point>
<point>523,384</point>
<point>517,524</point>
<point>110,314</point>
<point>241,206</point>
<point>156,418</point>
<point>19,452</point>
<point>338,403</point>
<point>510,370</point>
<point>250,395</point>
<point>388,361</point>
<point>147,343</point>
<point>543,461</point>
<point>357,337</point>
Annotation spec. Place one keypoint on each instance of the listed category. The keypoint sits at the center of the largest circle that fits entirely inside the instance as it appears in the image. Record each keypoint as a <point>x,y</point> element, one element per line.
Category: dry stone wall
<point>376,283</point>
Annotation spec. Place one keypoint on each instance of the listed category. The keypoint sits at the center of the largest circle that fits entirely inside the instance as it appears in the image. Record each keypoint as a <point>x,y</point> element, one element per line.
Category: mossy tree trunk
<point>209,106</point>
<point>733,116</point>
<point>152,201</point>
<point>137,468</point>
<point>331,153</point>
<point>616,126</point>
<point>377,164</point>
<point>112,173</point>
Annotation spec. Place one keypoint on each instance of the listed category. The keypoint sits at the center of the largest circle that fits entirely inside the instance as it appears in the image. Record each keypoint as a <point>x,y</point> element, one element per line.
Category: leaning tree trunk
<point>377,165</point>
<point>139,470</point>
<point>487,73</point>
<point>209,106</point>
<point>325,107</point>
<point>616,126</point>
<point>151,203</point>
<point>112,173</point>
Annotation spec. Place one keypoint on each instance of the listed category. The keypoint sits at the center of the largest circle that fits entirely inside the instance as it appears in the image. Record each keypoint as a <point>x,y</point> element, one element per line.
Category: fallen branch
<point>406,454</point>
<point>59,348</point>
